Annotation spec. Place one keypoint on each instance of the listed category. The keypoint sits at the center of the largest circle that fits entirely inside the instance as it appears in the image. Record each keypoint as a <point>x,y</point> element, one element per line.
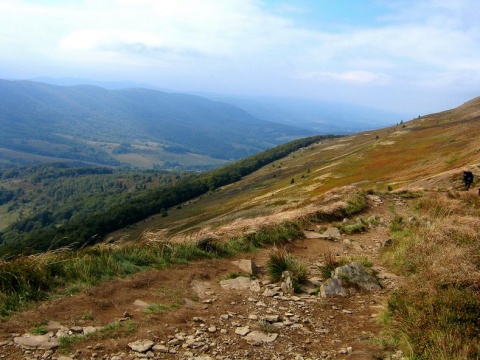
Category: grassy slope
<point>392,157</point>
<point>436,315</point>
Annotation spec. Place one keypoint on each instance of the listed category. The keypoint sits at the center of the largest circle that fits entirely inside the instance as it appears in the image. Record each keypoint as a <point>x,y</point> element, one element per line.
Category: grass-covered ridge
<point>128,126</point>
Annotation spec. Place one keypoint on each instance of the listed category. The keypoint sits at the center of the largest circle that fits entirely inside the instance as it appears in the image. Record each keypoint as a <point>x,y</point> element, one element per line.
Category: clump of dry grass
<point>339,203</point>
<point>436,313</point>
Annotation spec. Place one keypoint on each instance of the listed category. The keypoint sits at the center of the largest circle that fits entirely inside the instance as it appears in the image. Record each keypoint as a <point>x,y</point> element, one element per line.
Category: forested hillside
<point>56,206</point>
<point>140,127</point>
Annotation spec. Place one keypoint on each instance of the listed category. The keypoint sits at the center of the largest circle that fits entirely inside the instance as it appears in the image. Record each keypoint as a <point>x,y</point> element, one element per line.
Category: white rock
<point>242,330</point>
<point>212,329</point>
<point>90,330</point>
<point>256,337</point>
<point>141,345</point>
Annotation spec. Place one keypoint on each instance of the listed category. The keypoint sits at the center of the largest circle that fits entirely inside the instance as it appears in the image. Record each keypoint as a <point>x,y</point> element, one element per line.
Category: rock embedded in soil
<point>248,266</point>
<point>239,283</point>
<point>141,346</point>
<point>33,342</point>
<point>257,337</point>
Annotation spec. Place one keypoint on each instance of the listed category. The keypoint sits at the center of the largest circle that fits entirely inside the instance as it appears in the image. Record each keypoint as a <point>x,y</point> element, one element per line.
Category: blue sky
<point>415,56</point>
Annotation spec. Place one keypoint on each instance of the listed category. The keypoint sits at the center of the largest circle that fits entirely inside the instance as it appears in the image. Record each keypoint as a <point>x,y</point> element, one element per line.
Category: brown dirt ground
<point>108,301</point>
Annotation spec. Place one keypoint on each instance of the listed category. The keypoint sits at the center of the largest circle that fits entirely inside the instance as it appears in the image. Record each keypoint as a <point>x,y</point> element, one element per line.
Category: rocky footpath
<point>265,321</point>
<point>245,317</point>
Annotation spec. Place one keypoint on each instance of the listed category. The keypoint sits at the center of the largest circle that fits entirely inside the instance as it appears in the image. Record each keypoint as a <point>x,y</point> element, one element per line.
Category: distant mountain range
<point>322,117</point>
<point>134,126</point>
<point>313,114</point>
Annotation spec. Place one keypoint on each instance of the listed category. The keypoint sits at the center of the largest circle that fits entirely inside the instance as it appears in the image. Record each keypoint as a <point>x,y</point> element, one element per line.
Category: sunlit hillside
<point>394,197</point>
<point>431,151</point>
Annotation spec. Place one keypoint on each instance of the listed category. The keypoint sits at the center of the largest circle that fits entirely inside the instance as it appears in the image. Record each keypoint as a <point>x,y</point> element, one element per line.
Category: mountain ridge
<point>308,113</point>
<point>89,123</point>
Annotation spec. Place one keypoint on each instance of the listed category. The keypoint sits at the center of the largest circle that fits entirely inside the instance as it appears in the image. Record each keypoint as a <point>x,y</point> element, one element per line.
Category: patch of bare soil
<point>205,321</point>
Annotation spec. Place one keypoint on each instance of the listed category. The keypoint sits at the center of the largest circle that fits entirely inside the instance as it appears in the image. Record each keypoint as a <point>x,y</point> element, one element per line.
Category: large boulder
<point>347,279</point>
<point>333,287</point>
<point>355,275</point>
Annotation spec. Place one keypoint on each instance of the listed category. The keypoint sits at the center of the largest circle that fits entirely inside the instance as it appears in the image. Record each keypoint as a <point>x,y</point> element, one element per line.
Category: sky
<point>415,56</point>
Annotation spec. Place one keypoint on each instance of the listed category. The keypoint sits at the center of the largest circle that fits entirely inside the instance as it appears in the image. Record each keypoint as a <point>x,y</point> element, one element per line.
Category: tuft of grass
<point>280,261</point>
<point>232,275</point>
<point>114,330</point>
<point>356,203</point>
<point>40,330</point>
<point>365,261</point>
<point>439,325</point>
<point>397,224</point>
<point>88,316</point>
<point>349,229</point>
<point>407,194</point>
<point>331,263</point>
<point>157,309</point>
<point>265,327</point>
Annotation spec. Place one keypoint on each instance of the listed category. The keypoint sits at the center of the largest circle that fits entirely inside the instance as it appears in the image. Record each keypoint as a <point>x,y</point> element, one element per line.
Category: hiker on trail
<point>468,179</point>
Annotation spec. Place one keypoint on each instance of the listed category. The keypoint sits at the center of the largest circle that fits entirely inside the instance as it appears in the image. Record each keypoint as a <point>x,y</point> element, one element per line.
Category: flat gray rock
<point>90,330</point>
<point>256,337</point>
<point>140,303</point>
<point>239,283</point>
<point>40,342</point>
<point>141,346</point>
<point>242,330</point>
<point>312,235</point>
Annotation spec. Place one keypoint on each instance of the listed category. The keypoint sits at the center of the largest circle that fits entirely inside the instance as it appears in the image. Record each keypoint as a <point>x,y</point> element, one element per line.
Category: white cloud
<point>354,77</point>
<point>242,45</point>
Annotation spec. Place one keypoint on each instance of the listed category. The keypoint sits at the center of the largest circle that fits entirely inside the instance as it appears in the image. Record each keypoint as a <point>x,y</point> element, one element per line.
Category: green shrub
<point>156,309</point>
<point>355,204</point>
<point>41,330</point>
<point>232,275</point>
<point>352,228</point>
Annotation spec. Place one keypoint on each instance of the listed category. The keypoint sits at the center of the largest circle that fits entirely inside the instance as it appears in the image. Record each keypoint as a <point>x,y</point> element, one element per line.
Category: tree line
<point>130,208</point>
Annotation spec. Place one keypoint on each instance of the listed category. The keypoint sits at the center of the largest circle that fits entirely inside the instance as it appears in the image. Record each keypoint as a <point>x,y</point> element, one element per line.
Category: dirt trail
<point>205,325</point>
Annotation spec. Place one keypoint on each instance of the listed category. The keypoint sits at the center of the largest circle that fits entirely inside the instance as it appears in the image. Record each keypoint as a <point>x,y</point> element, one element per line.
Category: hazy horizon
<point>404,55</point>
